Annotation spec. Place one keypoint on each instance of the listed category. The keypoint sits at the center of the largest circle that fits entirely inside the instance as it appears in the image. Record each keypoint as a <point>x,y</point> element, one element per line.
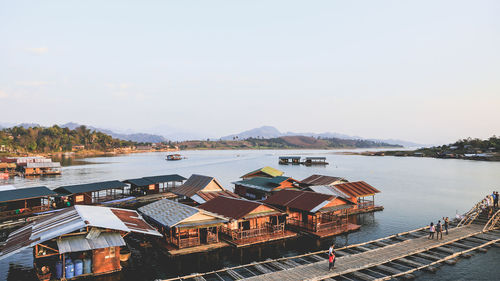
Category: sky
<point>423,71</point>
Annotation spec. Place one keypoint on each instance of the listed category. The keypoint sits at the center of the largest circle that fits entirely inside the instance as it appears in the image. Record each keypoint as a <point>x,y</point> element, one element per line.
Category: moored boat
<point>173,157</point>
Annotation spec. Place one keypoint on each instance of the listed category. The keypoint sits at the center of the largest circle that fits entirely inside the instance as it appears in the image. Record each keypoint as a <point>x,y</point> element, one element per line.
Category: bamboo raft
<point>394,256</point>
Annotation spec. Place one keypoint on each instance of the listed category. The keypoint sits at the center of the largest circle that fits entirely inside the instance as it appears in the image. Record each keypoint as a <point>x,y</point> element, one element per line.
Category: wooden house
<point>154,184</point>
<point>360,193</point>
<point>318,214</point>
<point>92,193</point>
<point>316,160</point>
<point>198,189</point>
<point>250,222</point>
<point>260,188</point>
<point>19,202</point>
<point>8,168</point>
<point>77,241</point>
<point>318,180</point>
<point>40,168</point>
<point>183,226</point>
<point>265,172</point>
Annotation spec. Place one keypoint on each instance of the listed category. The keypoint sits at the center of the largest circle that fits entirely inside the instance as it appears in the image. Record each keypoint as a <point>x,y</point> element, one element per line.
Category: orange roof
<point>357,189</point>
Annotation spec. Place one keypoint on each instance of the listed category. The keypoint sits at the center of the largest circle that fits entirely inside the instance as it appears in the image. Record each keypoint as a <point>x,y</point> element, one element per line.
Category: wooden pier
<point>386,258</point>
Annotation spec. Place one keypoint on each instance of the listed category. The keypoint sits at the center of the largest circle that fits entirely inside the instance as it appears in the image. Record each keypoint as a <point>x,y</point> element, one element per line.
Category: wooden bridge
<point>386,258</point>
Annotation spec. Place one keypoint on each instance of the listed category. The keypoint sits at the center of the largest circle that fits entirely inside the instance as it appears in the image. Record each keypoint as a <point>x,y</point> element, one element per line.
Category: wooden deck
<point>331,232</point>
<point>173,251</point>
<point>370,258</point>
<point>365,210</point>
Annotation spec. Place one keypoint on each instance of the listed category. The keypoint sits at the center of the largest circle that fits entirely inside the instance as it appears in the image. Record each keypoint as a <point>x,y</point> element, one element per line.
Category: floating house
<point>78,241</point>
<point>199,189</point>
<point>183,226</point>
<point>93,193</point>
<point>315,161</point>
<point>321,180</point>
<point>317,214</point>
<point>250,222</point>
<point>260,188</point>
<point>284,160</point>
<point>265,172</point>
<point>20,202</point>
<point>154,184</point>
<point>8,168</point>
<point>40,168</point>
<point>360,193</point>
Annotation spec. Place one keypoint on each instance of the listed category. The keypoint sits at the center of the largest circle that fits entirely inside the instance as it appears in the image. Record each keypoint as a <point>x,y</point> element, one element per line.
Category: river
<point>415,191</point>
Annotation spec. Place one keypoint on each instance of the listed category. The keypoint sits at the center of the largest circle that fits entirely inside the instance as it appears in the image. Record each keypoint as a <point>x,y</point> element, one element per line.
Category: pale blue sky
<point>427,71</point>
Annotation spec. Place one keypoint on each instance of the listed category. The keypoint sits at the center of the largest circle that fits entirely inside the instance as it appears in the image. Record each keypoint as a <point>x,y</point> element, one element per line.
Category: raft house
<point>40,168</point>
<point>21,202</point>
<point>154,184</point>
<point>185,229</point>
<point>78,241</point>
<point>199,189</point>
<point>318,180</point>
<point>264,172</point>
<point>285,160</point>
<point>250,222</point>
<point>260,188</point>
<point>316,160</point>
<point>316,214</point>
<point>362,194</point>
<point>92,193</point>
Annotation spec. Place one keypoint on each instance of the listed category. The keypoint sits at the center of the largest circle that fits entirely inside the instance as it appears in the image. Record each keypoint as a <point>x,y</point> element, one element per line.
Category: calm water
<point>415,191</point>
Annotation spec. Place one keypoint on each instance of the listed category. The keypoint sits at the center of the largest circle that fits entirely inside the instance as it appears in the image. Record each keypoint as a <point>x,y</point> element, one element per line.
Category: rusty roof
<point>194,184</point>
<point>233,208</point>
<point>321,180</point>
<point>357,189</point>
<point>209,195</point>
<point>72,219</point>
<point>269,171</point>
<point>301,200</point>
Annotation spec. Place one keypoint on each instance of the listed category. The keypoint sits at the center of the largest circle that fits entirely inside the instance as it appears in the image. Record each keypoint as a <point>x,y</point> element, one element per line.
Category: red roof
<point>207,196</point>
<point>357,189</point>
<point>232,208</point>
<point>301,200</point>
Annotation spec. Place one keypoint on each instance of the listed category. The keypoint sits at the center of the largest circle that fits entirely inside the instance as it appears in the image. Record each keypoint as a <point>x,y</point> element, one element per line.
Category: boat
<point>173,157</point>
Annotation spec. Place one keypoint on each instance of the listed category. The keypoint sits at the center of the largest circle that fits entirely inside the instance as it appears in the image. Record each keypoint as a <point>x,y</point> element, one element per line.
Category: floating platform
<point>260,239</point>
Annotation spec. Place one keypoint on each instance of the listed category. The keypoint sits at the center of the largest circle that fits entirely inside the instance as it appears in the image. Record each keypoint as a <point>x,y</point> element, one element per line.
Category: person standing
<point>439,230</point>
<point>331,257</point>
<point>446,224</point>
<point>431,231</point>
<point>495,199</point>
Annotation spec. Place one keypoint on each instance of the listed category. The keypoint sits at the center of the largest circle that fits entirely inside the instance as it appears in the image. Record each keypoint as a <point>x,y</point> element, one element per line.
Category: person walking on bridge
<point>331,257</point>
<point>495,199</point>
<point>446,224</point>
<point>432,229</point>
<point>439,230</point>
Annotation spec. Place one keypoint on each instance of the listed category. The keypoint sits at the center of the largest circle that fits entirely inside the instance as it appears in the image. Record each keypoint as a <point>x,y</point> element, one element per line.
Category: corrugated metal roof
<point>71,219</point>
<point>328,189</point>
<point>80,243</point>
<point>169,213</point>
<point>301,200</point>
<point>357,189</point>
<point>272,172</point>
<point>261,183</point>
<point>138,182</point>
<point>25,193</point>
<point>289,157</point>
<point>321,180</point>
<point>316,158</point>
<point>43,165</point>
<point>233,208</point>
<point>88,187</point>
<point>165,178</point>
<point>194,184</point>
<point>202,197</point>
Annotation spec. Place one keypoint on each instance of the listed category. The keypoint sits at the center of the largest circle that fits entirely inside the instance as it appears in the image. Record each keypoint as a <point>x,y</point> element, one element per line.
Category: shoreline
<point>411,153</point>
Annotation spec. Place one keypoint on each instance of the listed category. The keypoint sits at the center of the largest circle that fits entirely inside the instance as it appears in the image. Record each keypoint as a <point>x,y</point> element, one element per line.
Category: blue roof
<point>139,182</point>
<point>25,193</point>
<point>266,184</point>
<point>165,178</point>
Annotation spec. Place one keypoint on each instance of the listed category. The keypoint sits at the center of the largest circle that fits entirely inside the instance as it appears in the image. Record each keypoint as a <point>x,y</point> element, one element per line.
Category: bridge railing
<point>492,223</point>
<point>471,215</point>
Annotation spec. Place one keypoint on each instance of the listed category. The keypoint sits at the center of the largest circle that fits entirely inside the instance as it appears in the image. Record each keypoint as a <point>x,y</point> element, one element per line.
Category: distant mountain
<point>272,132</point>
<point>136,137</point>
<point>176,134</point>
<point>265,132</point>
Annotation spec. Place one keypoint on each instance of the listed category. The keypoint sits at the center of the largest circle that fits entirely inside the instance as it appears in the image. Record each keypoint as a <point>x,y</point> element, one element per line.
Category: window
<point>151,187</point>
<point>79,198</point>
<point>112,251</point>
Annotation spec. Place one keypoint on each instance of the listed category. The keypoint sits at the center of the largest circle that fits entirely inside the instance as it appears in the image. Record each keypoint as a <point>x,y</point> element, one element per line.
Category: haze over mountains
<point>165,133</point>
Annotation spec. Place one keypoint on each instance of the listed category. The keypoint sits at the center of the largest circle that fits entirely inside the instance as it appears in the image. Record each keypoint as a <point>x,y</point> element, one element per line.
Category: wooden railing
<point>472,214</point>
<point>237,234</point>
<point>492,223</point>
<point>212,238</point>
<point>23,211</point>
<point>366,204</point>
<point>315,227</point>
